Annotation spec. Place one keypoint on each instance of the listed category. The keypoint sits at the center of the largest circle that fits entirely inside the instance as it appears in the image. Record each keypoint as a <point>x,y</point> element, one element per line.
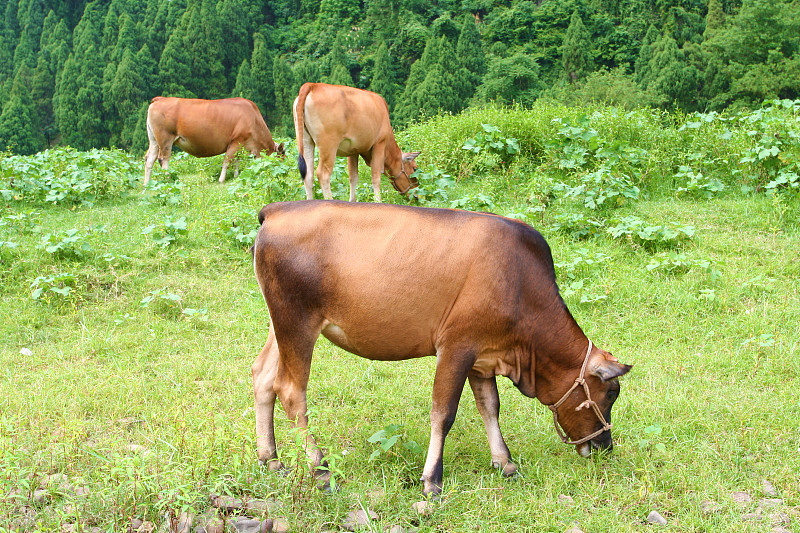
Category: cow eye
<point>612,395</point>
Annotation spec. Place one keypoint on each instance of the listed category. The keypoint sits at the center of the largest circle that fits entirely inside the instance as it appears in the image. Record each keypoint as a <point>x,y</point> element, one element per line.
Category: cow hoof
<point>510,470</point>
<point>275,466</point>
<point>327,488</point>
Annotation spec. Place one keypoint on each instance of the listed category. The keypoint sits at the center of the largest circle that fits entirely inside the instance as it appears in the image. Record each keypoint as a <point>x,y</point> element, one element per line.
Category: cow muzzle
<point>404,182</point>
<point>584,445</point>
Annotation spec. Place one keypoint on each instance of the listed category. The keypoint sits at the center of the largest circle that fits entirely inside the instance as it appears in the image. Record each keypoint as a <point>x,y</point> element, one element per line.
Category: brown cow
<point>390,282</point>
<point>205,128</point>
<point>348,122</point>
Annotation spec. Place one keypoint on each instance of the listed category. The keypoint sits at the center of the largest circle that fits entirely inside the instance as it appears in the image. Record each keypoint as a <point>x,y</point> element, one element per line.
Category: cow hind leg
<point>230,154</point>
<point>264,370</point>
<point>149,161</point>
<point>324,171</point>
<point>291,382</point>
<point>305,163</point>
<point>488,402</point>
<point>451,373</point>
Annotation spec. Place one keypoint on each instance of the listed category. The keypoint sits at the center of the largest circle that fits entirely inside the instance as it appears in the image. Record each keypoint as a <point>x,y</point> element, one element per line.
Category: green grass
<point>710,407</point>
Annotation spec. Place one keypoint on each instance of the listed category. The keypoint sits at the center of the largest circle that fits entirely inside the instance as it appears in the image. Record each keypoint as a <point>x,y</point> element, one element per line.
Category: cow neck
<point>558,360</point>
<point>392,158</point>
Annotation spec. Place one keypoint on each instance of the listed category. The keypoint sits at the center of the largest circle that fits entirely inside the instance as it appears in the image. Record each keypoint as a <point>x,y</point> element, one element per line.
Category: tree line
<point>82,73</point>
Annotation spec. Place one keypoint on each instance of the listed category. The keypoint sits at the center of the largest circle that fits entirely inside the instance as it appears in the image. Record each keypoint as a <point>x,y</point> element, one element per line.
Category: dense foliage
<point>82,73</point>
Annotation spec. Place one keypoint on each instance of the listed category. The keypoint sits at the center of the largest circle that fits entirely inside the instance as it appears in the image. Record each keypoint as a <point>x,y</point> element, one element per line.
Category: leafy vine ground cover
<point>130,318</point>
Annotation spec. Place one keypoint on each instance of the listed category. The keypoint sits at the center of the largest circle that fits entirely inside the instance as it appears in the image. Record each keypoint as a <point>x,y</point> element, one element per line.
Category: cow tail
<point>299,123</point>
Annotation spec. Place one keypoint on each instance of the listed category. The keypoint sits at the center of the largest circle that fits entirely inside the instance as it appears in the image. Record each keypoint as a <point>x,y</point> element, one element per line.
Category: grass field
<point>132,378</point>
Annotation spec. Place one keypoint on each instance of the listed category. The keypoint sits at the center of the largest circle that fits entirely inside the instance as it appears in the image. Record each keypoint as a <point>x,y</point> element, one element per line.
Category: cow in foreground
<point>350,122</point>
<point>390,282</point>
<point>205,128</point>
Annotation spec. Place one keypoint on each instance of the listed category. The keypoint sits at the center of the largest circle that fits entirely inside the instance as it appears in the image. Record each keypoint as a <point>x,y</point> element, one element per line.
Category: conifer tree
<point>55,44</point>
<point>7,41</point>
<point>126,94</point>
<point>669,76</point>
<point>18,131</point>
<point>715,18</point>
<point>511,79</point>
<point>204,35</point>
<point>408,108</point>
<point>471,55</point>
<point>383,77</point>
<point>147,70</point>
<point>457,79</point>
<point>285,93</point>
<point>41,90</point>
<point>338,64</point>
<point>262,84</point>
<point>31,22</point>
<point>238,20</point>
<point>646,53</point>
<point>381,20</point>
<point>244,82</point>
<point>305,70</point>
<point>575,50</point>
<point>175,66</point>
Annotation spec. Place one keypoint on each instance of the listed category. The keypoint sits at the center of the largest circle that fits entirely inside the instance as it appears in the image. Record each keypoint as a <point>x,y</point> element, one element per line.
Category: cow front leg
<point>264,370</point>
<point>451,373</point>
<point>352,174</point>
<point>488,401</point>
<point>376,167</point>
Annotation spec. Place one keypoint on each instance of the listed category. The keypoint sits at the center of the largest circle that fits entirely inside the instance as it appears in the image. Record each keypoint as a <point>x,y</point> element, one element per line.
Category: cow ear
<point>410,156</point>
<point>608,367</point>
<point>280,149</point>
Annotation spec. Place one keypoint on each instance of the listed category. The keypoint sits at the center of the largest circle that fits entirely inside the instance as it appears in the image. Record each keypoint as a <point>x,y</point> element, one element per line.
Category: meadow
<point>129,319</point>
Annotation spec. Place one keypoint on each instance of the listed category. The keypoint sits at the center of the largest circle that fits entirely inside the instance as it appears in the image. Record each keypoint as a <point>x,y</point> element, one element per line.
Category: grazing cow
<point>348,122</point>
<point>390,282</point>
<point>205,128</point>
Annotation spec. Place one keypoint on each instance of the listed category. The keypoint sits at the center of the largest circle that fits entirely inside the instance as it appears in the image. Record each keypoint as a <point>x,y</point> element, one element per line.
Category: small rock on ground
<point>280,525</point>
<point>563,499</point>
<point>574,530</point>
<point>248,525</point>
<point>753,517</point>
<point>655,518</point>
<point>397,528</point>
<point>41,497</point>
<point>422,508</point>
<point>768,489</point>
<point>226,503</point>
<point>708,507</point>
<point>741,497</point>
<point>779,519</point>
<point>767,503</point>
<point>136,448</point>
<point>261,506</point>
<point>185,523</point>
<point>357,519</point>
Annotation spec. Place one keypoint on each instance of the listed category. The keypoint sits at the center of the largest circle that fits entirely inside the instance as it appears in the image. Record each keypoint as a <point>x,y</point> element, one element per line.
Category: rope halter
<point>580,381</point>
<point>408,177</point>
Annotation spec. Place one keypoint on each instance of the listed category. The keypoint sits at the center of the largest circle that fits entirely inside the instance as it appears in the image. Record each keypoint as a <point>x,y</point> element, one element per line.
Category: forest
<point>82,73</point>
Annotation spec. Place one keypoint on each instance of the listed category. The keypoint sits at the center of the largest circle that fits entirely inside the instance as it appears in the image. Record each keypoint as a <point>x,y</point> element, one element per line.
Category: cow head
<point>584,412</point>
<point>404,182</point>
